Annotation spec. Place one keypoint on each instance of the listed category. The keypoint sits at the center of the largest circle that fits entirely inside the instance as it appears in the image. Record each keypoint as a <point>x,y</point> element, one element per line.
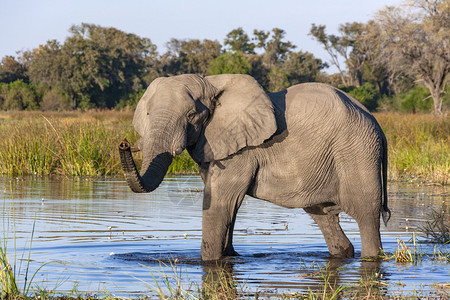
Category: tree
<point>45,65</point>
<point>11,70</point>
<point>96,66</point>
<point>238,40</point>
<point>347,46</point>
<point>197,55</point>
<point>230,63</point>
<point>278,80</point>
<point>261,37</point>
<point>276,49</point>
<point>366,94</point>
<point>270,71</point>
<point>413,102</point>
<point>333,46</point>
<point>53,99</point>
<point>189,56</point>
<point>302,67</point>
<point>415,40</point>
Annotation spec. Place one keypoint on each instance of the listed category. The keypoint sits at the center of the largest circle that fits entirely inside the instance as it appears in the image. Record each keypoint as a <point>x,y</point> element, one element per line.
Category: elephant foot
<point>209,253</point>
<point>230,252</point>
<point>342,251</point>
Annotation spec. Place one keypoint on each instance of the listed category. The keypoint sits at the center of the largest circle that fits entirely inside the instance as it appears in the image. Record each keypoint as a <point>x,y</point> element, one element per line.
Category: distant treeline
<point>400,60</point>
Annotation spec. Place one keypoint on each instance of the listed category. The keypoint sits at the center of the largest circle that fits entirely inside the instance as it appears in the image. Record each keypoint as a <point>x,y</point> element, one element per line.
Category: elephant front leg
<point>223,195</point>
<point>217,240</point>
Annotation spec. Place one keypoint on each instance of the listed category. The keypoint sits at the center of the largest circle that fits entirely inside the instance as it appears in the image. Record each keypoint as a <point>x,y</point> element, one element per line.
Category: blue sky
<point>24,24</point>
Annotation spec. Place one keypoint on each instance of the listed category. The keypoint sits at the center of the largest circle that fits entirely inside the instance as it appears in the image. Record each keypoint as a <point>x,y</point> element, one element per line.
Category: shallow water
<point>95,235</point>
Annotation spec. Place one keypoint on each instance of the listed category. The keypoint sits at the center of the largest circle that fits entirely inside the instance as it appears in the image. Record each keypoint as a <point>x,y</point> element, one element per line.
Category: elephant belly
<point>296,181</point>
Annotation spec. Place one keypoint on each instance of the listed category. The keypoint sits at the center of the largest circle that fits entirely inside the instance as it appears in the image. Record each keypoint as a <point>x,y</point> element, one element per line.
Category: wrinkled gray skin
<point>310,146</point>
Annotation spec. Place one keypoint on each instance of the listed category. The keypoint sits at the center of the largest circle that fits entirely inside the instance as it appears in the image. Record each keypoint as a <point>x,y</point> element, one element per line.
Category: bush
<point>54,100</point>
<point>3,92</point>
<point>417,100</point>
<point>367,94</point>
<point>278,80</point>
<point>19,96</point>
<point>230,63</point>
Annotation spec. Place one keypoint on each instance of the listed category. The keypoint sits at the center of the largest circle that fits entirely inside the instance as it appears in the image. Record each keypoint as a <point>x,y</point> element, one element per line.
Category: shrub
<point>367,94</point>
<point>417,100</point>
<point>230,63</point>
<point>19,96</point>
<point>54,100</point>
<point>278,80</point>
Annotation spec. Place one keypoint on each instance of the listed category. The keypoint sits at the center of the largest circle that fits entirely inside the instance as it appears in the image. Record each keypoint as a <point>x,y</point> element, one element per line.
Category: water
<point>96,235</point>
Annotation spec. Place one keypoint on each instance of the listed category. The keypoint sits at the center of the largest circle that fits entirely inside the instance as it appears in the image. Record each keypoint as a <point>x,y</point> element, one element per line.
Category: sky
<point>25,24</point>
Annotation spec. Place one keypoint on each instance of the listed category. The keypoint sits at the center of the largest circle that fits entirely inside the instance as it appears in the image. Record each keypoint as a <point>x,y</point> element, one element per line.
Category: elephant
<point>311,146</point>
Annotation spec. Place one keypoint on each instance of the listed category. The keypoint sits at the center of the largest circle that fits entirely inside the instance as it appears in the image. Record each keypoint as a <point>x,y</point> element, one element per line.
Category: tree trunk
<point>437,100</point>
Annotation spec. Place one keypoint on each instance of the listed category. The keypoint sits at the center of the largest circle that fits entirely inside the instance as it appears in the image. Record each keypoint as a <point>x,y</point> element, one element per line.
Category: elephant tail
<point>385,212</point>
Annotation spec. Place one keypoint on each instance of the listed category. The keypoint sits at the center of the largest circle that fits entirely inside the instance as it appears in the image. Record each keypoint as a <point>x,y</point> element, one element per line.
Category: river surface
<point>95,235</point>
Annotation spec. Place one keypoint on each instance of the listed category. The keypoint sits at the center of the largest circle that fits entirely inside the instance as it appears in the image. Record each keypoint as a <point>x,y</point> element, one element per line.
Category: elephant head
<point>213,117</point>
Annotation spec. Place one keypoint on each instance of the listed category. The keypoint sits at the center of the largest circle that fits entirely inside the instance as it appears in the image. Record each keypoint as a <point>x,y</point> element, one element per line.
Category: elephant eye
<point>191,116</point>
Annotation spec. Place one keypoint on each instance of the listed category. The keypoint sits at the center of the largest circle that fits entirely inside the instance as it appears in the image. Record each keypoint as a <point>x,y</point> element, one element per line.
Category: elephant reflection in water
<point>219,280</point>
<point>310,146</point>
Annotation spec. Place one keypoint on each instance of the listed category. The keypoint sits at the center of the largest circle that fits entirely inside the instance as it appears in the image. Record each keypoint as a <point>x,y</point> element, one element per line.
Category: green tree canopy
<point>302,67</point>
<point>346,46</point>
<point>189,56</point>
<point>96,65</point>
<point>276,49</point>
<point>11,70</point>
<point>238,40</point>
<point>230,63</point>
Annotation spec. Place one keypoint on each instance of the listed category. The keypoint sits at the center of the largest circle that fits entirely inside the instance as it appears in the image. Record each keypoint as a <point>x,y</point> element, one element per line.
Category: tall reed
<point>70,144</point>
<point>418,147</point>
<point>10,270</point>
<point>81,146</point>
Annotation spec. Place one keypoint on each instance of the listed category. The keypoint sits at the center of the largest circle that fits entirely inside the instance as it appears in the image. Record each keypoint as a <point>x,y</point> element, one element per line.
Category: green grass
<point>70,144</point>
<point>418,147</point>
<point>11,271</point>
<point>51,146</point>
<point>85,144</point>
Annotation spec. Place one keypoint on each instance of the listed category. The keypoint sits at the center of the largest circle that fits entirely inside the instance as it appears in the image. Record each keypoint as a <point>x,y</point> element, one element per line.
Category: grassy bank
<point>69,144</point>
<point>85,144</point>
<point>418,147</point>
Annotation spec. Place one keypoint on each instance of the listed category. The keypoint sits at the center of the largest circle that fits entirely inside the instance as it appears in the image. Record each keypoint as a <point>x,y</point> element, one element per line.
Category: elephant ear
<point>243,116</point>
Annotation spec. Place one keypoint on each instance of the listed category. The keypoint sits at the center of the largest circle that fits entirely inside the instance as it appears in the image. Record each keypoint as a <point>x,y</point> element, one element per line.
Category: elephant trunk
<point>153,169</point>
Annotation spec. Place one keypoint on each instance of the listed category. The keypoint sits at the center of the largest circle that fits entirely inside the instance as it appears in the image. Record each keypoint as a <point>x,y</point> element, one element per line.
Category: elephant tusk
<point>125,145</point>
<point>177,152</point>
<point>135,149</point>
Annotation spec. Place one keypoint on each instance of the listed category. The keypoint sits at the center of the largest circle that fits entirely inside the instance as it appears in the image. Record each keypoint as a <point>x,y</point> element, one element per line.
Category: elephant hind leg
<point>337,242</point>
<point>369,228</point>
<point>364,207</point>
